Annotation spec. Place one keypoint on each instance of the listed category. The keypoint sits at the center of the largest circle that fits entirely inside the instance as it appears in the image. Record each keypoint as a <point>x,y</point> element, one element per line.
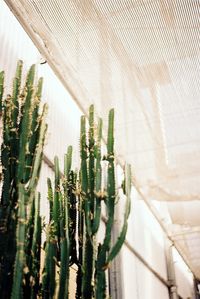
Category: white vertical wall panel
<point>139,282</point>
<point>146,236</point>
<point>184,277</point>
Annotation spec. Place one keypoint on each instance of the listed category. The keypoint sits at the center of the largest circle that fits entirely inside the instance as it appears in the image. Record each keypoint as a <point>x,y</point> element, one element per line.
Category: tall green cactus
<point>1,89</point>
<point>33,251</point>
<point>87,184</point>
<point>21,155</point>
<point>67,227</point>
<point>60,248</point>
<point>75,203</point>
<point>95,262</point>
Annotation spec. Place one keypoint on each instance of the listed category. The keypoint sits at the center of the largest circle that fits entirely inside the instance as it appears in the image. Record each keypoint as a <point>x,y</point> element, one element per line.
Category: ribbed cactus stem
<point>16,92</point>
<point>48,275</point>
<point>91,164</point>
<point>34,128</point>
<point>79,276</point>
<point>1,89</point>
<point>117,246</point>
<point>68,161</point>
<point>20,257</point>
<point>14,140</point>
<point>88,257</point>
<point>98,179</point>
<point>110,204</point>
<point>36,249</point>
<point>39,150</point>
<point>50,198</point>
<point>84,172</point>
<point>25,126</point>
<point>56,205</point>
<point>88,247</point>
<point>64,231</point>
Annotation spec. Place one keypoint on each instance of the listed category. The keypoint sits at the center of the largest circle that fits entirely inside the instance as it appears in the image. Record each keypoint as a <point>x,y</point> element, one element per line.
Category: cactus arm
<point>91,166</point>
<point>84,174</point>
<point>20,258</point>
<point>50,198</point>
<point>5,152</point>
<point>110,204</point>
<point>64,254</point>
<point>48,280</point>
<point>87,269</point>
<point>64,270</point>
<point>1,89</point>
<point>64,233</point>
<point>83,153</point>
<point>24,128</point>
<point>14,133</point>
<point>85,186</point>
<point>49,270</point>
<point>31,286</point>
<point>72,214</point>
<point>70,199</point>
<point>56,204</point>
<point>48,276</point>
<point>98,179</point>
<point>36,249</point>
<point>68,161</point>
<point>28,247</point>
<point>34,128</point>
<point>16,93</point>
<point>39,151</point>
<point>80,248</point>
<point>116,248</point>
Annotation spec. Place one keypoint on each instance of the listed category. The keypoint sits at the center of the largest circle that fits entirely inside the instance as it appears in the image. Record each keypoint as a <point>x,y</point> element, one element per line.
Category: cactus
<point>21,156</point>
<point>31,286</point>
<point>60,248</point>
<point>96,260</point>
<point>87,184</point>
<point>1,89</point>
<point>110,204</point>
<point>75,203</point>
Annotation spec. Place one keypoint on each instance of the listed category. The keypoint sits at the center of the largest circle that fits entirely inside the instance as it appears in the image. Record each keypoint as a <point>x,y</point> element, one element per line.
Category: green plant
<point>60,248</point>
<point>21,155</point>
<point>75,203</point>
<point>96,259</point>
<point>75,210</point>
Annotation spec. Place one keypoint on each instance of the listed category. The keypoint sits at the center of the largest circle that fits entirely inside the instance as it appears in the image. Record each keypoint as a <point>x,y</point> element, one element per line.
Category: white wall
<point>184,277</point>
<point>139,282</point>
